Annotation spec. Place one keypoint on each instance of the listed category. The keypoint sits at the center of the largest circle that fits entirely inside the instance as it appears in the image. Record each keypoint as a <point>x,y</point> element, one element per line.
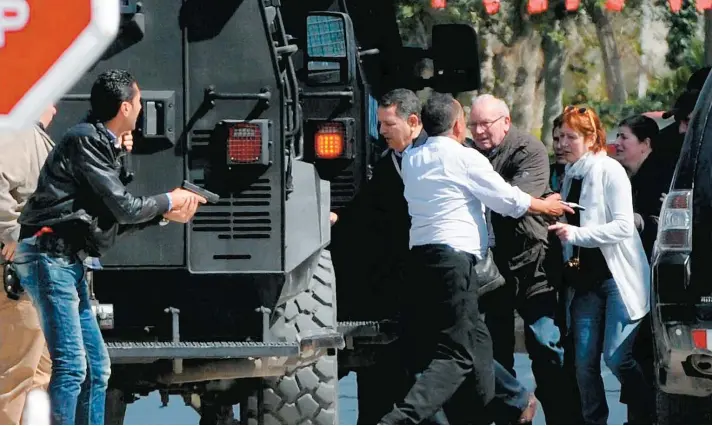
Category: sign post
<point>45,48</point>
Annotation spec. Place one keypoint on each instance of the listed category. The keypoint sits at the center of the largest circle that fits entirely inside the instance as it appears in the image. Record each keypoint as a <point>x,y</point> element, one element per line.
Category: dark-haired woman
<point>650,175</point>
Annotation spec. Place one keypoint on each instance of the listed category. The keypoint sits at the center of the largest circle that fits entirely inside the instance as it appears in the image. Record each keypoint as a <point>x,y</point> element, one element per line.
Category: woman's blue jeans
<point>601,326</point>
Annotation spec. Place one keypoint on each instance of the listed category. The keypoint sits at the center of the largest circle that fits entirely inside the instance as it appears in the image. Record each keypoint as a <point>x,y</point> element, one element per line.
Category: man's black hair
<point>439,114</point>
<point>405,101</point>
<point>110,89</point>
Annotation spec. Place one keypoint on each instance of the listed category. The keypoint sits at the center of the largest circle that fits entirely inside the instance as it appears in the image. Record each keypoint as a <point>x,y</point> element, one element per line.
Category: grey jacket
<point>23,155</point>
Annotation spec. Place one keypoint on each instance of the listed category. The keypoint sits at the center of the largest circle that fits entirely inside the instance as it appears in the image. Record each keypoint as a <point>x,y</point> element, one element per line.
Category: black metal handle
<point>264,96</point>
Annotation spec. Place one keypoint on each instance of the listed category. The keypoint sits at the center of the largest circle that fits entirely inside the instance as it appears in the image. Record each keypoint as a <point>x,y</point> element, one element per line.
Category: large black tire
<point>307,395</point>
<point>115,409</point>
<point>682,409</point>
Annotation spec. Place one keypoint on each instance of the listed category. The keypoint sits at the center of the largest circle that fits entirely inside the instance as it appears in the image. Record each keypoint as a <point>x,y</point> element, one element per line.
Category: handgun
<point>210,196</point>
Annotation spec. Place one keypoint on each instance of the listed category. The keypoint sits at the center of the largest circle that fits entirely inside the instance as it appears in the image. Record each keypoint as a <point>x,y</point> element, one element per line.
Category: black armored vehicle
<point>681,309</point>
<point>269,104</point>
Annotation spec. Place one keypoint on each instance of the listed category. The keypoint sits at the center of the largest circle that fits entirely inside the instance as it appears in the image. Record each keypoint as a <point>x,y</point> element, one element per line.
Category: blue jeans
<point>601,325</point>
<point>543,341</point>
<point>80,361</point>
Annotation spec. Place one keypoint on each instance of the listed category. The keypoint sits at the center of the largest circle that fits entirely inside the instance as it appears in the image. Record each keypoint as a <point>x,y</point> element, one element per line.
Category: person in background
<point>650,176</point>
<point>24,362</point>
<point>447,186</point>
<point>79,209</point>
<point>556,171</point>
<point>607,269</point>
<point>672,136</point>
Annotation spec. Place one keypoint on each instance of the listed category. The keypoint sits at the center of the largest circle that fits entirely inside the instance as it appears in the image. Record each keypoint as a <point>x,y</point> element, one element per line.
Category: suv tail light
<point>675,227</point>
<point>329,140</point>
<point>247,142</point>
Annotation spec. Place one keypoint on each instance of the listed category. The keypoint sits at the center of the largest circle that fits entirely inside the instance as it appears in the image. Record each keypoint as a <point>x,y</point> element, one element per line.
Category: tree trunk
<point>555,59</point>
<point>524,103</point>
<point>645,26</point>
<point>615,84</point>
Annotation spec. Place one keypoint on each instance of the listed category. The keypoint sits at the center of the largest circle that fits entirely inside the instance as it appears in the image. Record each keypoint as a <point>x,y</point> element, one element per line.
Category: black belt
<point>445,247</point>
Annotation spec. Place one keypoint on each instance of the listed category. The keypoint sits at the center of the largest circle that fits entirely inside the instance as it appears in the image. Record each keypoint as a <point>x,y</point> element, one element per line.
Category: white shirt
<point>447,187</point>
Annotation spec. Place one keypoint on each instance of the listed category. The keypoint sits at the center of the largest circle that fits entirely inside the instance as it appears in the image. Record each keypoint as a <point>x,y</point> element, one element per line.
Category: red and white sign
<point>45,48</point>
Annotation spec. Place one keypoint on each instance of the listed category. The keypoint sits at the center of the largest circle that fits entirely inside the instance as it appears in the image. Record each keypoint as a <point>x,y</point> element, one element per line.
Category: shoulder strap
<point>396,165</point>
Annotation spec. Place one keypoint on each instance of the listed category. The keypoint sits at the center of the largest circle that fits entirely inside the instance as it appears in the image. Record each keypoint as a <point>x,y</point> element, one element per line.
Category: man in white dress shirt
<point>447,187</point>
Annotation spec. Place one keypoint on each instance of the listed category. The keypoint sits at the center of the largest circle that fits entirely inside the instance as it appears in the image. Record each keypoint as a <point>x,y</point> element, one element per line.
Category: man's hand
<point>562,230</point>
<point>333,217</point>
<point>185,212</point>
<point>126,140</point>
<point>8,251</point>
<point>550,206</point>
<point>180,196</point>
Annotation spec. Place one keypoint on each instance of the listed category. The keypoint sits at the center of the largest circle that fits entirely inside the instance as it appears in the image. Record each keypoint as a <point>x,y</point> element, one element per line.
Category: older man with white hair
<point>520,246</point>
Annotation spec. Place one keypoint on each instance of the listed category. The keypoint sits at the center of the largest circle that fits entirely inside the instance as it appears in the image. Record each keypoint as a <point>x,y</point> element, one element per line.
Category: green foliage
<point>683,26</point>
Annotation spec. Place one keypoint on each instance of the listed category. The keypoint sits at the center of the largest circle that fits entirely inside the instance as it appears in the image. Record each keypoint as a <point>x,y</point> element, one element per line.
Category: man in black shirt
<point>81,205</point>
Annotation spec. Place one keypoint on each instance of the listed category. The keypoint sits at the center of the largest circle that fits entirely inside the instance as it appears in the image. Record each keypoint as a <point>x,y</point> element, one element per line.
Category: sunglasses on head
<point>570,108</point>
<point>581,110</point>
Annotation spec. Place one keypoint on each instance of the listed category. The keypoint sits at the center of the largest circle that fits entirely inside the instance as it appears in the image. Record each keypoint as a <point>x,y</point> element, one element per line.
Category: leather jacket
<point>81,193</point>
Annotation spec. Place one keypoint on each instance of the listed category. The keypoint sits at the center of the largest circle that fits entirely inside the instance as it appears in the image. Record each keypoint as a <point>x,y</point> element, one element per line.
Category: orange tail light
<point>329,140</point>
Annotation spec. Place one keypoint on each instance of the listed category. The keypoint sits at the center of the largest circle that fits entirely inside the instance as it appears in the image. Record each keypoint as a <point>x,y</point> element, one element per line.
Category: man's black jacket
<point>374,229</point>
<point>520,244</point>
<point>81,196</point>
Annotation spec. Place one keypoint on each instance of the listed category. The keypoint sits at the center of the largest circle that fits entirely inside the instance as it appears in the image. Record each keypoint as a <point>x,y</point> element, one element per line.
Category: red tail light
<point>244,143</point>
<point>329,140</point>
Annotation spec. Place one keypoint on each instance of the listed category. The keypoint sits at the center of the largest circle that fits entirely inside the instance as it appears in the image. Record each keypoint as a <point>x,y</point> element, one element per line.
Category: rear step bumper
<point>126,351</point>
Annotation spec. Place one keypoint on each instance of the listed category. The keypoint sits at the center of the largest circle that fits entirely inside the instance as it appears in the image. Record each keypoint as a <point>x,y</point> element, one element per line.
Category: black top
<point>593,264</point>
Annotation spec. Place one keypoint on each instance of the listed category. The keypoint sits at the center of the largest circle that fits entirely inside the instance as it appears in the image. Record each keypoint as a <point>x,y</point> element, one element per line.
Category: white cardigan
<point>607,223</point>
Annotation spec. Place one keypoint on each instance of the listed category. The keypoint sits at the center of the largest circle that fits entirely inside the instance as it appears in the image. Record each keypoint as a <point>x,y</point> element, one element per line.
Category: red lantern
<point>491,6</point>
<point>537,6</point>
<point>438,4</point>
<point>572,5</point>
<point>615,5</point>
<point>703,5</point>
<point>675,5</point>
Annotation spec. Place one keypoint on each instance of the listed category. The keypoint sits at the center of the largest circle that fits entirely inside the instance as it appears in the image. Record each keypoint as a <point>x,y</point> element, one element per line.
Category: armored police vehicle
<point>270,105</point>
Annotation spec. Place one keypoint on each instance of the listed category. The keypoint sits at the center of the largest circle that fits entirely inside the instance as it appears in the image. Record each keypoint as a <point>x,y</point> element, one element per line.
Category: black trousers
<point>451,347</point>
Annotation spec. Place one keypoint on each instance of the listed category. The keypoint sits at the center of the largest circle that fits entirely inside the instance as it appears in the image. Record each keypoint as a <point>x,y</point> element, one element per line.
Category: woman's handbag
<point>574,276</point>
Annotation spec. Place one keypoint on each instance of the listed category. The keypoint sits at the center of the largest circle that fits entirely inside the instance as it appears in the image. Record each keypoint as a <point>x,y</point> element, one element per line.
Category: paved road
<point>148,410</point>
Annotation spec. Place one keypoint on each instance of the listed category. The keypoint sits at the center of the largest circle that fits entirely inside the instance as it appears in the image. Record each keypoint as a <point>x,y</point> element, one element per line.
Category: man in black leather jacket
<point>80,206</point>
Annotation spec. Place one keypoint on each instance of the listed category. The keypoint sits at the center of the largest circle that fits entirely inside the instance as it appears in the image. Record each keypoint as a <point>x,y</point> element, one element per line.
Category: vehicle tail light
<point>246,142</point>
<point>675,227</point>
<point>702,339</point>
<point>329,140</point>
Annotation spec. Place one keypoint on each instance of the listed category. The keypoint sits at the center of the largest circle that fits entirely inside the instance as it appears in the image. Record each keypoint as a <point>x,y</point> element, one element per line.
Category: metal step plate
<point>366,328</point>
<point>202,350</point>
